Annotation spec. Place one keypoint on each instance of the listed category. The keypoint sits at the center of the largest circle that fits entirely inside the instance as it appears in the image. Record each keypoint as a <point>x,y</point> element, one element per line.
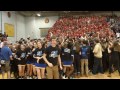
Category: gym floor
<point>115,75</point>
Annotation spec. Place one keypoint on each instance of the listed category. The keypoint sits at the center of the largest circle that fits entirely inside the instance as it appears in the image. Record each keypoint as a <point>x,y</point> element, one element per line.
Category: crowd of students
<point>74,47</point>
<point>60,57</point>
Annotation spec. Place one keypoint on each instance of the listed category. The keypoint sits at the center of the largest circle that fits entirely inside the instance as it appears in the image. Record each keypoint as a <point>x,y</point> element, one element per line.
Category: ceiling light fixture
<point>38,15</point>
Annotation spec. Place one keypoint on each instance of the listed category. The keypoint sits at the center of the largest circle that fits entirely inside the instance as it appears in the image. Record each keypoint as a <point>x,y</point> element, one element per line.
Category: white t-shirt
<point>118,34</point>
<point>1,44</point>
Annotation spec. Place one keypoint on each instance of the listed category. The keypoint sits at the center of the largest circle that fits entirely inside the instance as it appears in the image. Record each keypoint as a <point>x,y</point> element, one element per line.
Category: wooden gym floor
<point>115,75</point>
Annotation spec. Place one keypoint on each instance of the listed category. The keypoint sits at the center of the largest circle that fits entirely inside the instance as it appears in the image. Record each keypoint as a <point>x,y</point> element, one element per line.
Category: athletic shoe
<point>70,77</point>
<point>30,77</point>
<point>64,77</point>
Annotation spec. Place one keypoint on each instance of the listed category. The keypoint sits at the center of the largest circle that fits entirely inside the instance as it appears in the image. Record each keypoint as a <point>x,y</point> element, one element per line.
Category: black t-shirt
<point>30,54</point>
<point>13,54</point>
<point>75,51</point>
<point>67,54</point>
<point>52,54</point>
<point>39,53</point>
<point>21,54</point>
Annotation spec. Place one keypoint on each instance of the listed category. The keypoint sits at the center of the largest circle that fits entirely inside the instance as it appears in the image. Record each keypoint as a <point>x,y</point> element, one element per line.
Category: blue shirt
<point>5,53</point>
<point>84,52</point>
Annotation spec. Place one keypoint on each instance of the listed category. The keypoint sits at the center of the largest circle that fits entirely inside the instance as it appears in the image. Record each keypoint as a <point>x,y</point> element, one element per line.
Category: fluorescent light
<point>38,15</point>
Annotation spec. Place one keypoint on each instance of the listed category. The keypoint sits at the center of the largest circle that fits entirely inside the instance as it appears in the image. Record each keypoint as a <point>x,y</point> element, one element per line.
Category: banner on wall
<point>43,31</point>
<point>9,29</point>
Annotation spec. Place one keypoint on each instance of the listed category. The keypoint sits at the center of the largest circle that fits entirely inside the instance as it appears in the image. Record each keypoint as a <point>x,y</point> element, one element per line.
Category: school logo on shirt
<point>23,55</point>
<point>67,50</point>
<point>39,53</point>
<point>74,48</point>
<point>54,54</point>
<point>30,52</point>
<point>84,51</point>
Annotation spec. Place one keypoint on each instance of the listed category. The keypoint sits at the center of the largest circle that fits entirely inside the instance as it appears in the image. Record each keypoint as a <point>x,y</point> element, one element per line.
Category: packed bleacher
<point>77,26</point>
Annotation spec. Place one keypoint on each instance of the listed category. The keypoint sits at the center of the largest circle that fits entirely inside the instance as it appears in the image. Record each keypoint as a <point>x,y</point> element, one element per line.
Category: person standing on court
<point>52,58</point>
<point>97,57</point>
<point>5,57</point>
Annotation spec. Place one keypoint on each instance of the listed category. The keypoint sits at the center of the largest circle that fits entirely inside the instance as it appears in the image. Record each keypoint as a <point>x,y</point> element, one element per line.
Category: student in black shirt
<point>40,65</point>
<point>21,57</point>
<point>114,60</point>
<point>14,64</point>
<point>29,60</point>
<point>67,54</point>
<point>76,63</point>
<point>52,58</point>
<point>34,61</point>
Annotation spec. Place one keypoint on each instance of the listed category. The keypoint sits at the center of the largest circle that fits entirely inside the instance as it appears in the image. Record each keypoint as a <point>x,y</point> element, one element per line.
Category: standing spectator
<point>29,60</point>
<point>21,57</point>
<point>97,57</point>
<point>67,54</point>
<point>115,56</point>
<point>110,52</point>
<point>84,58</point>
<point>52,57</point>
<point>40,65</point>
<point>105,56</point>
<point>76,62</point>
<point>5,57</point>
<point>14,63</point>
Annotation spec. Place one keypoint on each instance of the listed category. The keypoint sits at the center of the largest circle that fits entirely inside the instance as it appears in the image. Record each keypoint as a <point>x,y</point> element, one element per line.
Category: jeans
<point>114,60</point>
<point>97,65</point>
<point>76,64</point>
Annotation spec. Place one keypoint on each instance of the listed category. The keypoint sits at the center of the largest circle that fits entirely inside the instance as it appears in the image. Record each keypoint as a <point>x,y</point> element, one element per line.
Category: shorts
<point>67,62</point>
<point>29,62</point>
<point>21,62</point>
<point>40,65</point>
<point>34,62</point>
<point>6,66</point>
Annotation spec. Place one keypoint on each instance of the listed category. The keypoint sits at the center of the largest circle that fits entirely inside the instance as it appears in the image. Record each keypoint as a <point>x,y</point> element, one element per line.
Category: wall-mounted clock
<point>9,14</point>
<point>46,20</point>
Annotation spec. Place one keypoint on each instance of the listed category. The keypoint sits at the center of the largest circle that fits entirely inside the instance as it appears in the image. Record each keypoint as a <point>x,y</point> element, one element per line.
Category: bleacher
<point>77,26</point>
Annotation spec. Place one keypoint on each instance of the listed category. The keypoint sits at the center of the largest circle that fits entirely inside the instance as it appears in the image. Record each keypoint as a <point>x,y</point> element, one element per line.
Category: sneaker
<point>66,78</point>
<point>35,77</point>
<point>30,77</point>
<point>70,77</point>
<point>63,77</point>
